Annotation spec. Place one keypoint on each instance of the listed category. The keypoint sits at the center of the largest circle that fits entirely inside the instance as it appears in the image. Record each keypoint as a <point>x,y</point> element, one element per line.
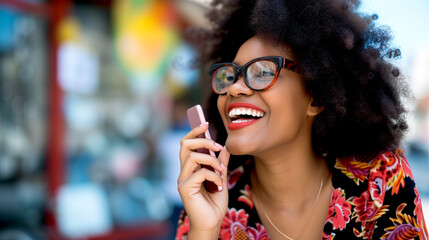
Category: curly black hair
<point>345,59</point>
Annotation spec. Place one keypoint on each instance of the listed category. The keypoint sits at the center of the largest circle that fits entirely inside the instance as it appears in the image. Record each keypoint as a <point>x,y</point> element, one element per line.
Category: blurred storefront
<point>93,95</point>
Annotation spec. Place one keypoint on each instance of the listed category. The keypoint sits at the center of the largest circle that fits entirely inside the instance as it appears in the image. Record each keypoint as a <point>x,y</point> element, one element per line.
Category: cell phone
<point>196,118</point>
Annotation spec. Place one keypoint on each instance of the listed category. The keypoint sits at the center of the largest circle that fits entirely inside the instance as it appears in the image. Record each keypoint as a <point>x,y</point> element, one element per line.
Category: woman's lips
<point>241,123</point>
<point>243,105</point>
<point>243,115</point>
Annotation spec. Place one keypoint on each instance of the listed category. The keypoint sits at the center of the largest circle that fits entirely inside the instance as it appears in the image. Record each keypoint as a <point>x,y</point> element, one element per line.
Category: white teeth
<point>236,112</point>
<point>241,121</point>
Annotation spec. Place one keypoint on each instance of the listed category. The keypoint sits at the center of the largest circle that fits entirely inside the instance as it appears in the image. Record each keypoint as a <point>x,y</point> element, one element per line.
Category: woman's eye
<point>265,74</point>
<point>229,76</point>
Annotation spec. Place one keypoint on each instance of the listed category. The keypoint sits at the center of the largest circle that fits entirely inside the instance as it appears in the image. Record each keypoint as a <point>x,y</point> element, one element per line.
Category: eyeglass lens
<point>258,75</point>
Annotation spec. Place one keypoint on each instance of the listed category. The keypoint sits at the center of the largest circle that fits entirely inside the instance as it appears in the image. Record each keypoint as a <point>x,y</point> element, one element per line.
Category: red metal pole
<point>58,10</point>
<point>55,159</point>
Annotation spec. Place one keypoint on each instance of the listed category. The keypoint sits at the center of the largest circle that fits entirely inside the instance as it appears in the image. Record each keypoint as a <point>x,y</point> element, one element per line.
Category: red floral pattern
<point>418,212</point>
<point>246,196</point>
<point>339,209</point>
<point>353,168</point>
<point>234,222</point>
<point>372,198</point>
<point>404,227</point>
<point>366,212</point>
<point>234,175</point>
<point>365,209</point>
<point>259,233</point>
<point>183,227</point>
<point>234,226</point>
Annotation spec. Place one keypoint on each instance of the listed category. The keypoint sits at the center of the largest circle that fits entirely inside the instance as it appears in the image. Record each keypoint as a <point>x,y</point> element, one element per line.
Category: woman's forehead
<point>257,46</point>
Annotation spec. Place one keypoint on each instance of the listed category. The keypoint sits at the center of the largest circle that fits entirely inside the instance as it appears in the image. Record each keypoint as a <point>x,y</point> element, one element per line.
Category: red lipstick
<point>242,122</point>
<point>243,105</point>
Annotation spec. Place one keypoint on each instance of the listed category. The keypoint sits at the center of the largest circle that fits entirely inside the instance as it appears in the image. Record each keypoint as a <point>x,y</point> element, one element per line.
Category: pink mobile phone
<point>196,118</point>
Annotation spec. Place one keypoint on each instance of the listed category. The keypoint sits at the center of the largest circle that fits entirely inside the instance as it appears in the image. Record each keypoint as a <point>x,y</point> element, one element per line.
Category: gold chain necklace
<point>306,223</point>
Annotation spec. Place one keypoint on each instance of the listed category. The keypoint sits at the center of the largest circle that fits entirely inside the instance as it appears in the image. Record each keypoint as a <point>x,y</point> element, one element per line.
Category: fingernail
<point>223,166</point>
<point>219,188</point>
<point>218,146</point>
<point>204,124</point>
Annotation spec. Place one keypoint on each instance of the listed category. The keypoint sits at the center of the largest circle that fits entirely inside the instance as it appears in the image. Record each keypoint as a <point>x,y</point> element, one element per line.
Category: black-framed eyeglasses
<point>259,74</point>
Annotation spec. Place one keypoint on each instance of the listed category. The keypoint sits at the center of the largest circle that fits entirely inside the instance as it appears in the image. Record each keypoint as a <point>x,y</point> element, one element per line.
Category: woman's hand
<point>205,210</point>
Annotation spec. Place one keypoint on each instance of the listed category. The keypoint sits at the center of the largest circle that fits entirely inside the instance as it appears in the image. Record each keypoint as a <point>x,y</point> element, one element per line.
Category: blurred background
<point>93,99</point>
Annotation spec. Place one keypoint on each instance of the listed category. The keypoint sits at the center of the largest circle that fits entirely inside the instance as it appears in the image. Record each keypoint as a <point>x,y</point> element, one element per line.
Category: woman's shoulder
<point>388,166</point>
<point>378,196</point>
<point>377,175</point>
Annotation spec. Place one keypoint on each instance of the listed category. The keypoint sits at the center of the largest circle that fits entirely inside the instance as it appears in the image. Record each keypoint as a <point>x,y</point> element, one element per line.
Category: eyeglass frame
<point>280,62</point>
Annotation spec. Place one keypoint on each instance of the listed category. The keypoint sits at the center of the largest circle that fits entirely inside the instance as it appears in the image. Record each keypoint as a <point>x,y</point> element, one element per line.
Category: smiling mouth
<point>241,115</point>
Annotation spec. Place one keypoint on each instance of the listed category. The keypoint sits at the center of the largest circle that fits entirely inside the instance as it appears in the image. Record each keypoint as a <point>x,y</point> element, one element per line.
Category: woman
<point>308,108</point>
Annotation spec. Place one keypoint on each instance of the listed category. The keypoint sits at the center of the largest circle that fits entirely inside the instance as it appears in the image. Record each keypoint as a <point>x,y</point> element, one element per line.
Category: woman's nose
<point>239,88</point>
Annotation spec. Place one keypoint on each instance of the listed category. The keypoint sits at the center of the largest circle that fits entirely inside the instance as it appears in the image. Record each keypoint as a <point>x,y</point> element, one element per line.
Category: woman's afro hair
<point>346,61</point>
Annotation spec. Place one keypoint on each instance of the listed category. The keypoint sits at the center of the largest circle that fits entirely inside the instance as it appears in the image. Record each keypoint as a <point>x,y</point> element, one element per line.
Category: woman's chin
<point>236,148</point>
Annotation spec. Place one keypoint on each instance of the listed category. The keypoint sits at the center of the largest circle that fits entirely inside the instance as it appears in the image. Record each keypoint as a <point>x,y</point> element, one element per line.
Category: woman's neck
<point>288,178</point>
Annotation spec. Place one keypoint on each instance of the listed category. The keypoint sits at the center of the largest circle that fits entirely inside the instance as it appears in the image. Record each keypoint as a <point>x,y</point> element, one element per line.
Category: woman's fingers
<point>191,143</point>
<point>191,173</point>
<point>195,160</point>
<point>192,185</point>
<point>195,132</point>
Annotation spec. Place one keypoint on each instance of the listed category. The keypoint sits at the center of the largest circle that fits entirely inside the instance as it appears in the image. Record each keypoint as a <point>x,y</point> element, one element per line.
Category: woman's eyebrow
<point>233,62</point>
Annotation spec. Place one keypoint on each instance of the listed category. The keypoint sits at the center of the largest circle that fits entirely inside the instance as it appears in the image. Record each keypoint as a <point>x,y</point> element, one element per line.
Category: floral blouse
<point>373,197</point>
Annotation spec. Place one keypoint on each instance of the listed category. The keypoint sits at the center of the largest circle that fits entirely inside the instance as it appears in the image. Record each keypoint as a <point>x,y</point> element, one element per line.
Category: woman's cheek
<point>221,109</point>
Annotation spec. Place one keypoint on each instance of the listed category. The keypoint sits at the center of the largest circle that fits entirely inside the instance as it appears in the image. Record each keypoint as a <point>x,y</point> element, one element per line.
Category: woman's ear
<point>314,109</point>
